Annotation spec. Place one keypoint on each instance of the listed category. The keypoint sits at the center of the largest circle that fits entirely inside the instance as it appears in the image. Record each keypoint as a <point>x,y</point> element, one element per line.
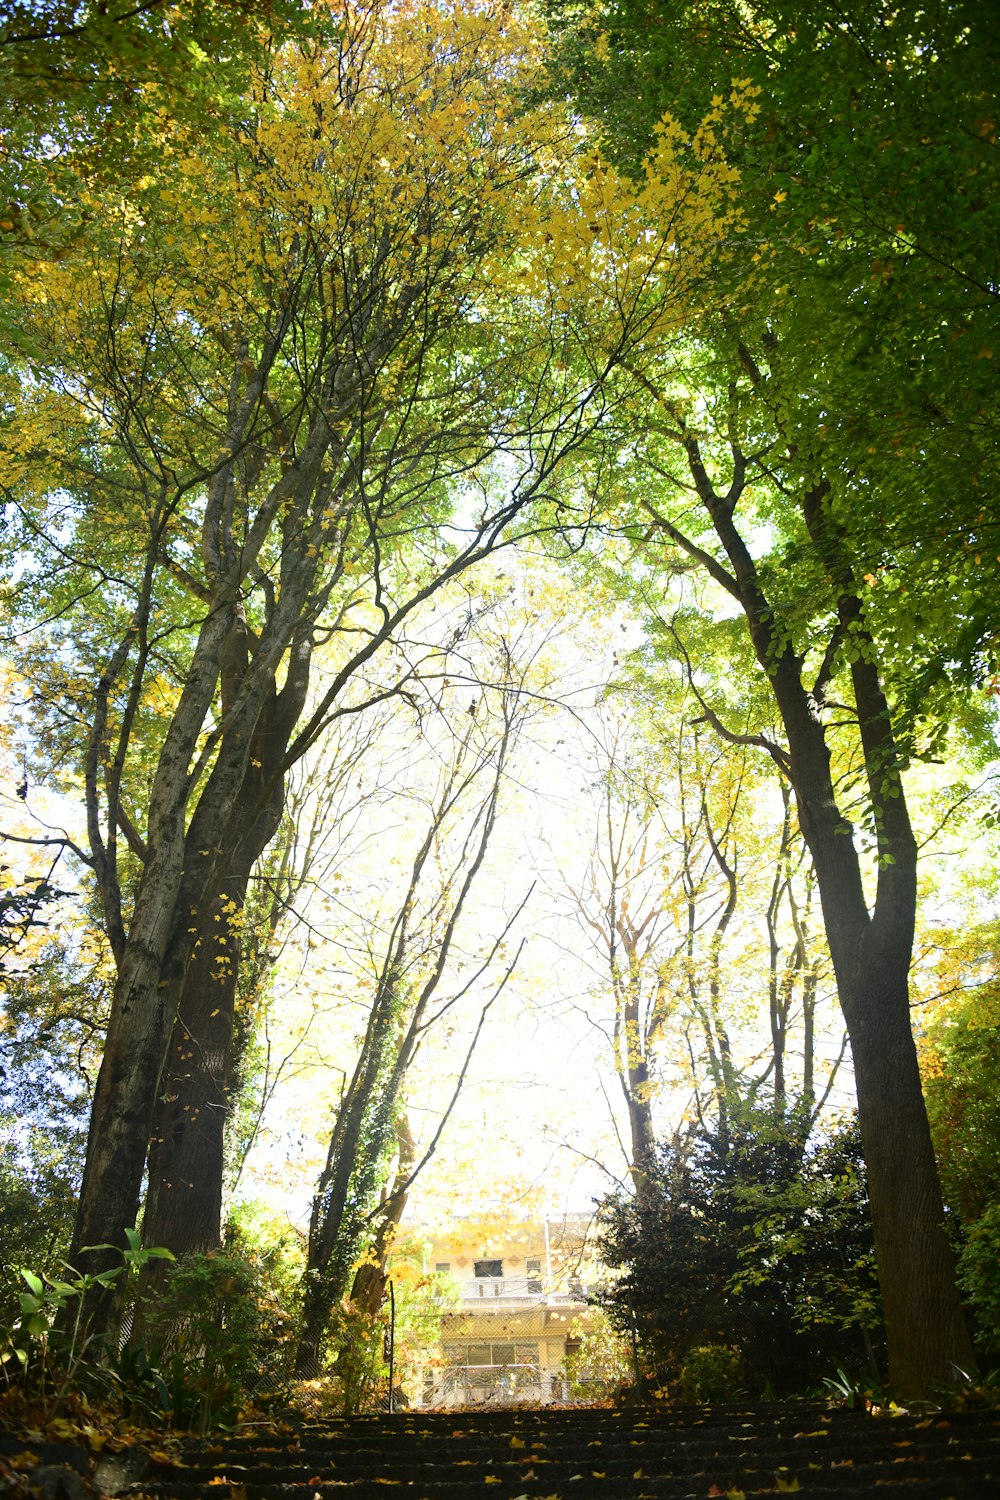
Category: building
<point>513,1310</point>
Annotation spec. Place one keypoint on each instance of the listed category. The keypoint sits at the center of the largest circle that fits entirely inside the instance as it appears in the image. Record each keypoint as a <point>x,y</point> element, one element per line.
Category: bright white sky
<point>541,1104</point>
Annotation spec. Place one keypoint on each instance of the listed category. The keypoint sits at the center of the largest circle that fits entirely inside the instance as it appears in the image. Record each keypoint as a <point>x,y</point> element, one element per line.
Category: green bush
<point>979,1278</point>
<point>599,1362</point>
<point>711,1372</point>
<point>49,1349</point>
<point>356,1347</point>
<point>747,1238</point>
<point>221,1334</point>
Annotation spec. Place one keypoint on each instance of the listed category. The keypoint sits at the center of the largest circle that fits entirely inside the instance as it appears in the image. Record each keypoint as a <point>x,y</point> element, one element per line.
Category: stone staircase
<point>587,1454</point>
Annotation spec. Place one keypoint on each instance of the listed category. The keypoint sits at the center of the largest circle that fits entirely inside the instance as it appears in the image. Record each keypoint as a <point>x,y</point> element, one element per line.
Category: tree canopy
<point>314,310</point>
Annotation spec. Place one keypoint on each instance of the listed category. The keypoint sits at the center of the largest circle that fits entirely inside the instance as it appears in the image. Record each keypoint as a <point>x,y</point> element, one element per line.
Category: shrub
<point>599,1362</point>
<point>711,1372</point>
<point>747,1239</point>
<point>979,1278</point>
<point>221,1335</point>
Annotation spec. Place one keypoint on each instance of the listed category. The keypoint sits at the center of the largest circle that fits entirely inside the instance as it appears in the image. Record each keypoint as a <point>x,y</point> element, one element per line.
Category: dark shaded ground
<point>800,1447</point>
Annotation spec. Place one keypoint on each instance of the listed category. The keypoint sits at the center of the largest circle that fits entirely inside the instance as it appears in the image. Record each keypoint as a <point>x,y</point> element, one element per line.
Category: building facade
<point>513,1311</point>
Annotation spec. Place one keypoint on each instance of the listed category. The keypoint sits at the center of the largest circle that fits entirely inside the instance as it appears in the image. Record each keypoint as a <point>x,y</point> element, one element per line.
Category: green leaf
<point>64,1289</point>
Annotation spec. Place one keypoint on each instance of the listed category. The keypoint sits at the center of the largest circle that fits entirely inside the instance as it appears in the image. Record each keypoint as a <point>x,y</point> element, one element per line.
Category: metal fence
<point>508,1346</point>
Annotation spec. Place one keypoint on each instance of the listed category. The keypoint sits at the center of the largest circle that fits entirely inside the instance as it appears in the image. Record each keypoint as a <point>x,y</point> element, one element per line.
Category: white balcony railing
<point>519,1288</point>
<point>530,1289</point>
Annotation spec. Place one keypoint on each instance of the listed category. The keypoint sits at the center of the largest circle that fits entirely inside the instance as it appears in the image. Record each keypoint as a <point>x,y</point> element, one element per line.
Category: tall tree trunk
<point>927,1338</point>
<point>632,1063</point>
<point>183,1208</point>
<point>365,1112</point>
<point>187,1149</point>
<point>409,973</point>
<point>926,1334</point>
<point>181,883</point>
<point>637,1090</point>
<point>928,1341</point>
<point>371,1277</point>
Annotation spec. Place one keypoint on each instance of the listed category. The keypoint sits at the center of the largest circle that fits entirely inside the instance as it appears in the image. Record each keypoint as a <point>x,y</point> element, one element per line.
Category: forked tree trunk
<point>186,1167</point>
<point>179,888</point>
<point>372,1276</point>
<point>927,1340</point>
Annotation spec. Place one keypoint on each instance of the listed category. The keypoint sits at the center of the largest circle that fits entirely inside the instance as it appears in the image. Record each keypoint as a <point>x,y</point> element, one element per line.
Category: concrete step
<point>792,1447</point>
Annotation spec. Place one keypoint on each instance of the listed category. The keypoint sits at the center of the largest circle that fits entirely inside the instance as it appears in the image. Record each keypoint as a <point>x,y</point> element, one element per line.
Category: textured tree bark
<point>927,1339</point>
<point>181,881</point>
<point>367,1105</point>
<point>186,1166</point>
<point>637,1092</point>
<point>183,1209</point>
<point>371,1277</point>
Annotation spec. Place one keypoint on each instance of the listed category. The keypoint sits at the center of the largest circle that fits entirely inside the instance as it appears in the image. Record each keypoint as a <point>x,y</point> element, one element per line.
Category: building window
<point>485,1268</point>
<point>533,1271</point>
<point>442,1267</point>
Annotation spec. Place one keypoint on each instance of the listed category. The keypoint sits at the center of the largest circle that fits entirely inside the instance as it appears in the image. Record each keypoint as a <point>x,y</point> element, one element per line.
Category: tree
<point>407,966</point>
<point>811,665</point>
<point>23,904</point>
<point>698,910</point>
<point>782,482</point>
<point>960,1064</point>
<point>52,1014</point>
<point>209,1063</point>
<point>29,864</point>
<point>960,1056</point>
<point>287,388</point>
<point>868,175</point>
